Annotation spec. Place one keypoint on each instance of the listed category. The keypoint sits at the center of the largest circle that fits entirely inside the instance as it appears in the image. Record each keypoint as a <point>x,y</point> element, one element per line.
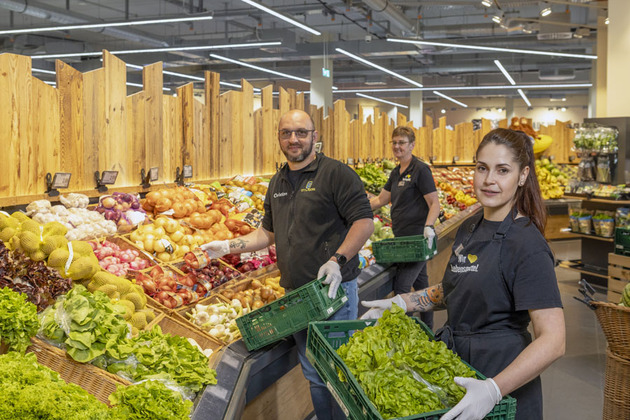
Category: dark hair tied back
<point>528,200</point>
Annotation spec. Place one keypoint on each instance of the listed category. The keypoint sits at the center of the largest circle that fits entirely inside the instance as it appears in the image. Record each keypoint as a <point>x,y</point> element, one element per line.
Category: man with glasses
<point>415,207</point>
<point>318,215</point>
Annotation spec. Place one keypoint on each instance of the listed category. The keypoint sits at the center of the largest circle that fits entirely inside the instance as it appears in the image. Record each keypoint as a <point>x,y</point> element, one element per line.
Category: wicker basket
<point>96,381</point>
<point>617,388</point>
<point>615,321</point>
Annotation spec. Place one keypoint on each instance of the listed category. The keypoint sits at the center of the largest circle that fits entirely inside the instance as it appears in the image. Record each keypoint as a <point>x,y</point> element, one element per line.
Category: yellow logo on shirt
<point>308,187</point>
<point>472,258</point>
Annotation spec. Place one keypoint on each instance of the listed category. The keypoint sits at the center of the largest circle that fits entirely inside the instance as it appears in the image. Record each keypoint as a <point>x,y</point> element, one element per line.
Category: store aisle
<point>573,387</point>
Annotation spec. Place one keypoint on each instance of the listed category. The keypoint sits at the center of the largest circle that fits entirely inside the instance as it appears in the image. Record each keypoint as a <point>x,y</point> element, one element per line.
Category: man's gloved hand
<point>380,306</point>
<point>216,249</point>
<point>333,276</point>
<point>480,399</point>
<point>429,234</point>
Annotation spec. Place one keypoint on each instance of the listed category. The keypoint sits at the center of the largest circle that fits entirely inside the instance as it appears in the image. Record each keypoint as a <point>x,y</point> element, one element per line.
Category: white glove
<point>480,399</point>
<point>380,306</point>
<point>429,234</point>
<point>216,249</point>
<point>333,277</point>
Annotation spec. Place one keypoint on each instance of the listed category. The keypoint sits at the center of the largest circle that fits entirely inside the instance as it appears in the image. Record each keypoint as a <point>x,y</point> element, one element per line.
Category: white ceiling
<point>347,24</point>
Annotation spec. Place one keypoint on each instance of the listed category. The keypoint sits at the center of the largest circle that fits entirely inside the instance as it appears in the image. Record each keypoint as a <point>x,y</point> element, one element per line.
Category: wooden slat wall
<point>88,123</point>
<point>46,133</point>
<point>109,153</point>
<point>71,145</point>
<point>153,135</point>
<point>93,123</point>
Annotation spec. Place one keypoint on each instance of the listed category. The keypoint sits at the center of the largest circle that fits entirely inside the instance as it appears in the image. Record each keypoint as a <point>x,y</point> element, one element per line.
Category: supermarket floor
<point>573,387</point>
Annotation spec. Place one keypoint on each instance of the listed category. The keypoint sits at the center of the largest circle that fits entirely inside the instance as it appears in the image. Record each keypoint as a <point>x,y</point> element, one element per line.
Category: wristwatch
<point>341,259</point>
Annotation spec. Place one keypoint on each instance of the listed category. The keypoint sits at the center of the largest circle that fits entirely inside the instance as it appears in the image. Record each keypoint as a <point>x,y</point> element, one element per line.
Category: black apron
<point>480,333</point>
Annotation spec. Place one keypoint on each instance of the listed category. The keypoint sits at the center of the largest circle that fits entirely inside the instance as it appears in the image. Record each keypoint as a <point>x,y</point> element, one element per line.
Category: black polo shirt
<point>311,220</point>
<point>409,208</point>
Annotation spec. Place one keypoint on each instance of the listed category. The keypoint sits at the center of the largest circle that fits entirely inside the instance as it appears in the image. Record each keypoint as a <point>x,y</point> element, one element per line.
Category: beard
<point>306,151</point>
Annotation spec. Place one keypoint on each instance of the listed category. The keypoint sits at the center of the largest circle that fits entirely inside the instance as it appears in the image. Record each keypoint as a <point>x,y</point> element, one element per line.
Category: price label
<point>455,158</point>
<point>350,161</point>
<point>318,147</point>
<point>109,177</point>
<point>188,172</point>
<point>61,180</point>
<point>253,218</point>
<point>154,174</point>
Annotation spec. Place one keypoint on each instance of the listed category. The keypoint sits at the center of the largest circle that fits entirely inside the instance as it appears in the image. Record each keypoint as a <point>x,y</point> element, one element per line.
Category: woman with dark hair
<point>500,277</point>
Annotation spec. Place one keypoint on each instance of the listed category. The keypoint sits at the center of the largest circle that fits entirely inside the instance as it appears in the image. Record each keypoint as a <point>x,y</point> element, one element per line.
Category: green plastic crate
<point>289,314</point>
<point>403,249</point>
<point>622,241</point>
<point>324,338</point>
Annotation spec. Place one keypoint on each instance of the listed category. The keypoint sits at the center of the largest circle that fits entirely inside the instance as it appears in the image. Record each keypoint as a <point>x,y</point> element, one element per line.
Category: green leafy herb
<point>18,320</point>
<point>150,400</point>
<point>163,356</point>
<point>385,357</point>
<point>88,324</point>
<point>31,391</point>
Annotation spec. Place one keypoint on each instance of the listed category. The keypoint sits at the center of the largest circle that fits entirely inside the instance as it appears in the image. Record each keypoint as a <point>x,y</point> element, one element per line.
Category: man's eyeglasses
<point>300,133</point>
<point>398,143</point>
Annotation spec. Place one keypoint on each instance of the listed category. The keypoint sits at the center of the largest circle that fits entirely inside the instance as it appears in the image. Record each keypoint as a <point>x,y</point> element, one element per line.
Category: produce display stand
<point>242,375</point>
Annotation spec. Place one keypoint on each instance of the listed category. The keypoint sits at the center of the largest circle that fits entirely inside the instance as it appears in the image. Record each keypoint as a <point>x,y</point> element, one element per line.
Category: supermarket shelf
<point>584,235</point>
<point>598,200</point>
<point>576,265</point>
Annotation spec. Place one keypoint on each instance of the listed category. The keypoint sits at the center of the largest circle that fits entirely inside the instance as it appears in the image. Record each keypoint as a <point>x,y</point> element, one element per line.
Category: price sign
<point>154,174</point>
<point>350,161</point>
<point>188,172</point>
<point>253,218</point>
<point>61,180</point>
<point>109,177</point>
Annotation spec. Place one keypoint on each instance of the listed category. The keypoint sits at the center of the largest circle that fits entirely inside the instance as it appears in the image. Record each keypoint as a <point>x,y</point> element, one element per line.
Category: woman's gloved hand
<point>333,277</point>
<point>380,306</point>
<point>480,399</point>
<point>216,249</point>
<point>429,234</point>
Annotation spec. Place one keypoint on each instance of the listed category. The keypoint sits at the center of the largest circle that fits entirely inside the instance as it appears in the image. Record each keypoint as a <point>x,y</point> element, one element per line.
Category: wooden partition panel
<point>15,123</point>
<point>152,80</point>
<point>88,123</point>
<point>94,116</point>
<point>71,124</point>
<point>110,156</point>
<point>136,135</point>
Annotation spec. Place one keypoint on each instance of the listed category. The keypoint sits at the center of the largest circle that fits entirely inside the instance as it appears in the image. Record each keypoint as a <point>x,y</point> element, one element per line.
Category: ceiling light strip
<point>381,100</point>
<point>105,25</point>
<point>251,66</point>
<point>282,16</point>
<point>376,66</point>
<point>455,101</point>
<point>504,71</point>
<point>454,88</point>
<point>484,48</point>
<point>158,50</point>
<point>191,77</point>
<point>520,92</point>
